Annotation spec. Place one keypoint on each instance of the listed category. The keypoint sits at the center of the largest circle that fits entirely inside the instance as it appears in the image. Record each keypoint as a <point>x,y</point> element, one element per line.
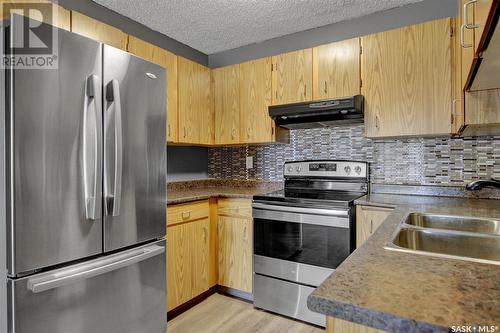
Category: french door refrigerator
<point>84,192</point>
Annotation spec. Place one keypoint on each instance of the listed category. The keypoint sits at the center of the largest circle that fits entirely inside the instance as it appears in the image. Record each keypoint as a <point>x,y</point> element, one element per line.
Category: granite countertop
<point>403,292</point>
<point>179,192</point>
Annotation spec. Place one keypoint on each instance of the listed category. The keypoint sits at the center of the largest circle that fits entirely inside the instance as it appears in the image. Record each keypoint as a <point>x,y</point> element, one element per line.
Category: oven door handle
<point>302,210</point>
<point>313,216</point>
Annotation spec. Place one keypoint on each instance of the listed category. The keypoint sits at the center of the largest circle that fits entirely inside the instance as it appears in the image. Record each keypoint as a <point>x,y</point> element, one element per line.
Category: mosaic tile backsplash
<point>410,161</point>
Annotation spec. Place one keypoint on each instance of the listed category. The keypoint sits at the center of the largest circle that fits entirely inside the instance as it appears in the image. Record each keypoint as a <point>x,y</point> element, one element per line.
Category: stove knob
<point>298,168</point>
<point>290,168</point>
<point>347,169</point>
<point>357,169</point>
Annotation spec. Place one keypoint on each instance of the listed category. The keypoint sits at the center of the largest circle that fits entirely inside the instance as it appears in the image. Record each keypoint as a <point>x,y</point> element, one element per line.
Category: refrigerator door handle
<point>92,145</point>
<point>94,268</point>
<point>113,198</point>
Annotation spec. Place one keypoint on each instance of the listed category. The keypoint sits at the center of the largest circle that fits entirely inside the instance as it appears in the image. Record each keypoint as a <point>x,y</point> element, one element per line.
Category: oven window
<point>302,243</point>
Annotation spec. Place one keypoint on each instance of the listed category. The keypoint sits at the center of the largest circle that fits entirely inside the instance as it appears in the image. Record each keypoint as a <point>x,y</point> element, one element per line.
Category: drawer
<point>187,212</point>
<point>236,207</point>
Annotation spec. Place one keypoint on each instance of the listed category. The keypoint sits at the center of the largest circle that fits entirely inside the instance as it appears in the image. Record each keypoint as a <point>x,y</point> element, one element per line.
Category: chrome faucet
<point>480,184</point>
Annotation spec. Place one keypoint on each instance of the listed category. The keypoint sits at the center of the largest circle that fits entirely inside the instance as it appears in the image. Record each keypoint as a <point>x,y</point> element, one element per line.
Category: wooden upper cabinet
<point>255,97</point>
<point>59,17</point>
<point>481,10</point>
<point>226,94</point>
<point>407,80</point>
<point>465,39</point>
<point>196,117</point>
<point>336,69</point>
<point>292,77</point>
<point>98,31</point>
<point>167,60</point>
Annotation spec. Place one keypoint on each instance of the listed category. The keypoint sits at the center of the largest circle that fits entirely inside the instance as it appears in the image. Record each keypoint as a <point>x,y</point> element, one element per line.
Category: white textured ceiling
<point>212,26</point>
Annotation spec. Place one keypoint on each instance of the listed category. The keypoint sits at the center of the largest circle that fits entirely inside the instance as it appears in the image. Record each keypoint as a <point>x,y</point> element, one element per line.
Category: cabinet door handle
<point>184,129</point>
<point>466,15</point>
<point>377,122</point>
<point>204,234</point>
<point>371,227</point>
<point>305,90</point>
<point>169,131</point>
<point>185,215</point>
<point>462,37</point>
<point>326,88</point>
<point>245,232</point>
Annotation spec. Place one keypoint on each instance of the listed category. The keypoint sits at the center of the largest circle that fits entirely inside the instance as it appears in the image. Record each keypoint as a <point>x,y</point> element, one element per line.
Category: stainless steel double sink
<point>457,237</point>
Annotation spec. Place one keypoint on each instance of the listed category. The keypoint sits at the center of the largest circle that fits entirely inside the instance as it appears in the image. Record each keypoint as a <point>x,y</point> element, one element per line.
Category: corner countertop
<point>403,292</point>
<point>179,192</point>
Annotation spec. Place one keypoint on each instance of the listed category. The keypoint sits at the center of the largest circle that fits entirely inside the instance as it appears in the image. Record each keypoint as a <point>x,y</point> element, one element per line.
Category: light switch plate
<point>249,162</point>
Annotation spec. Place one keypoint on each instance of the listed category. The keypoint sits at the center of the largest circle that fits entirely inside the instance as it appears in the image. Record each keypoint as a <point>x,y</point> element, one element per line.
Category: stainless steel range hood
<point>325,113</point>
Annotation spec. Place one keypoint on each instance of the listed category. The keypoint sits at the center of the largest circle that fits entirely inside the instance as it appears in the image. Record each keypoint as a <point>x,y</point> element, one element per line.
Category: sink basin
<point>457,223</point>
<point>475,247</point>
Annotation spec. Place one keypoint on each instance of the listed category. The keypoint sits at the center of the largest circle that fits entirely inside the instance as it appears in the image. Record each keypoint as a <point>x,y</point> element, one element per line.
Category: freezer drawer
<point>286,298</point>
<point>123,292</point>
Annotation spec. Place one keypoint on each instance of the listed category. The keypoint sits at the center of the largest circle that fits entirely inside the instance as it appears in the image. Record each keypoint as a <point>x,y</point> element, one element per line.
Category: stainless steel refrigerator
<point>83,192</point>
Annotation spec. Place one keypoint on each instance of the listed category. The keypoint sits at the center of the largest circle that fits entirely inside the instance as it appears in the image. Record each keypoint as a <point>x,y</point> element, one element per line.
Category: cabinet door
<point>167,60</point>
<point>199,236</point>
<point>226,81</point>
<point>368,219</point>
<point>235,253</point>
<point>407,80</point>
<point>481,12</point>
<point>335,325</point>
<point>467,37</point>
<point>98,31</point>
<point>255,98</point>
<point>196,119</point>
<point>179,265</point>
<point>292,77</point>
<point>336,69</point>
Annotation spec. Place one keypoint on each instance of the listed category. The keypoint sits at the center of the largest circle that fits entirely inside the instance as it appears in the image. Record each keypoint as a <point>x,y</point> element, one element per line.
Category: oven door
<point>300,244</point>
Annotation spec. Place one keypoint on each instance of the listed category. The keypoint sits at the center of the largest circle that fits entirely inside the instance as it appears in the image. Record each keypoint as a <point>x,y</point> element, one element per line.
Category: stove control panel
<point>327,169</point>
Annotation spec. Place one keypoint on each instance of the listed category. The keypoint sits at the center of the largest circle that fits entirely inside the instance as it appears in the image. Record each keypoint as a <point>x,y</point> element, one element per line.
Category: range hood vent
<point>325,113</point>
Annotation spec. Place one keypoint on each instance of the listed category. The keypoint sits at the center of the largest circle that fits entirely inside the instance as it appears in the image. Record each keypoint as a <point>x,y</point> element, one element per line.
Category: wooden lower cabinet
<point>235,253</point>
<point>335,325</point>
<point>209,243</point>
<point>179,266</point>
<point>188,260</point>
<point>368,219</point>
<point>235,246</point>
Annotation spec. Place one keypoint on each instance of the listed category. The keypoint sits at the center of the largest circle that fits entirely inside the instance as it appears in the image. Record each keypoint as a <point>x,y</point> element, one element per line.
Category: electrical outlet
<point>249,162</point>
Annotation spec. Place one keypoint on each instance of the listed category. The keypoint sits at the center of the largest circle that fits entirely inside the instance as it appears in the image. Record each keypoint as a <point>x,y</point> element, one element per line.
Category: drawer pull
<point>185,215</point>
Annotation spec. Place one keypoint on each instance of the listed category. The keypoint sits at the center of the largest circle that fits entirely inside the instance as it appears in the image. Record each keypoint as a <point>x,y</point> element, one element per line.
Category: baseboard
<point>242,295</point>
<point>191,303</point>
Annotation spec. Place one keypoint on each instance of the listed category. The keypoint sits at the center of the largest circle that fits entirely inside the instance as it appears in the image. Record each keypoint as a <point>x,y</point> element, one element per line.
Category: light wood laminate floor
<point>222,314</point>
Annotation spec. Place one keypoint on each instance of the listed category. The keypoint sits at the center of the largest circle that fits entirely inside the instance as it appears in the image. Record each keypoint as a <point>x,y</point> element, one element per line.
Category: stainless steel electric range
<point>302,233</point>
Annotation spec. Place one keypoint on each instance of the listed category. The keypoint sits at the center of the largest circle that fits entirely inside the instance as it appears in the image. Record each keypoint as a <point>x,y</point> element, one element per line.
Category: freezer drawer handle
<point>95,268</point>
<point>92,145</point>
<point>113,198</point>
